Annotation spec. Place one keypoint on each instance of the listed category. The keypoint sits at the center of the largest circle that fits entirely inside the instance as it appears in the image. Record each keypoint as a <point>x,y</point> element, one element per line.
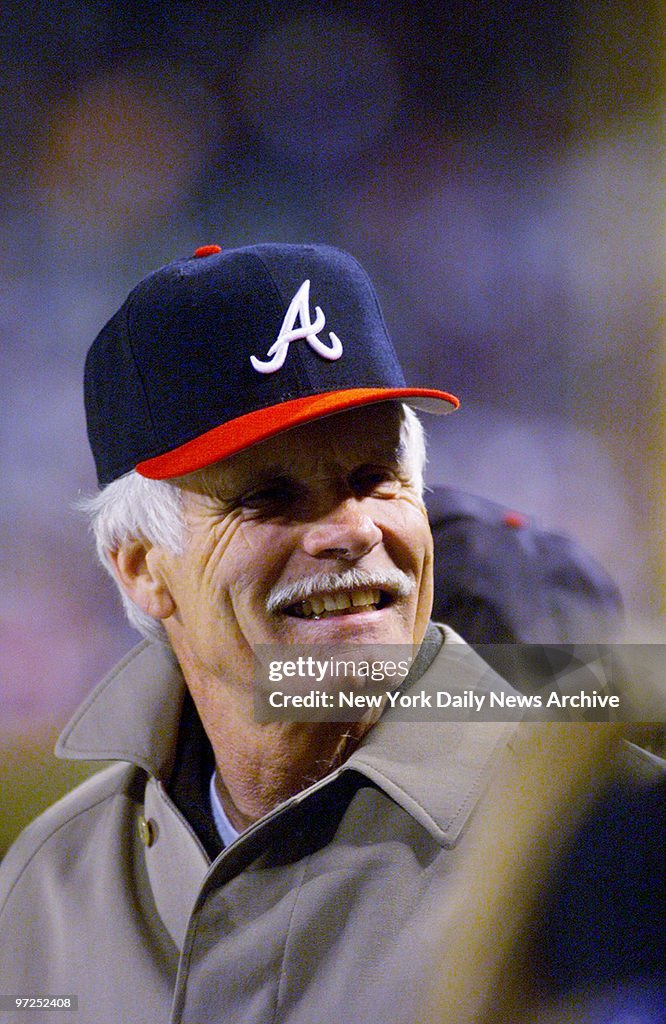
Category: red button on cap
<point>206,250</point>
<point>514,520</point>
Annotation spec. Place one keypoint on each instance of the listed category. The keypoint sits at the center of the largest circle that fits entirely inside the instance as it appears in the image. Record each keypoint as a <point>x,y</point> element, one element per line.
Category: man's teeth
<point>320,604</point>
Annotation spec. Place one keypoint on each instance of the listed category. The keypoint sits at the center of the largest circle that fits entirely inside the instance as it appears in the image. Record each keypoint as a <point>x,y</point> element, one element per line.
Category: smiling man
<point>260,468</point>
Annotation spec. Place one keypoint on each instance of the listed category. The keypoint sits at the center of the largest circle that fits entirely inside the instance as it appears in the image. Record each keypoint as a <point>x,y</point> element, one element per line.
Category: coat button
<point>147,831</point>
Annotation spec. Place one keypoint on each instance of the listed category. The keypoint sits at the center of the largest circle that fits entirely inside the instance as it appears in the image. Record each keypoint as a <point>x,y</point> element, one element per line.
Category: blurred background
<point>496,166</point>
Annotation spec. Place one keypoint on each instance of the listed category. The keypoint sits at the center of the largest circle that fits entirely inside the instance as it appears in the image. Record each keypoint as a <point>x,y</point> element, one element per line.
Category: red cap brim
<point>238,434</point>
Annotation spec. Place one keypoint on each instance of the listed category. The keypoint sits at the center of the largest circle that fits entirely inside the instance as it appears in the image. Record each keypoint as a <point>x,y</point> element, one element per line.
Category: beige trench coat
<point>327,910</point>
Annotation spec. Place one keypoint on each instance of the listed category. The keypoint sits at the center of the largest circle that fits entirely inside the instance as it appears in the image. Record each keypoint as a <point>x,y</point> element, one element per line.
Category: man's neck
<point>260,766</point>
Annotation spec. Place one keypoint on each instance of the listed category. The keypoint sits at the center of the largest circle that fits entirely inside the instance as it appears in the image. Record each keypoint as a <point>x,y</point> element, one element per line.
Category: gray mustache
<point>397,583</point>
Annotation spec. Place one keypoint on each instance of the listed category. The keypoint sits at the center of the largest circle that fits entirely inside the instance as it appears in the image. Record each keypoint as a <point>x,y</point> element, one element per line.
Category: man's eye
<point>269,497</point>
<point>378,480</point>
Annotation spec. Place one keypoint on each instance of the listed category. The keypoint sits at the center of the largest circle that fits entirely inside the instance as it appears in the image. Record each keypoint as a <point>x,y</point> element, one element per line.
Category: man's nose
<point>346,532</point>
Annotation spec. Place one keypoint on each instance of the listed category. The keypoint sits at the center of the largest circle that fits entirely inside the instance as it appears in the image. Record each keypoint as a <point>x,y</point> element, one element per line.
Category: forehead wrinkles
<point>349,439</point>
<point>312,462</point>
<point>325,462</point>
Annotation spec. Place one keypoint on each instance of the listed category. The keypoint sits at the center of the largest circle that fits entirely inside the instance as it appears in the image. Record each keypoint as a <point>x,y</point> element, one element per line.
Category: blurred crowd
<point>495,168</point>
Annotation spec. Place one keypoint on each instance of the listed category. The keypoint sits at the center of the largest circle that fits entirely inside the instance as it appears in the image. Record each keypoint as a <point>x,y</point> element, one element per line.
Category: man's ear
<point>139,577</point>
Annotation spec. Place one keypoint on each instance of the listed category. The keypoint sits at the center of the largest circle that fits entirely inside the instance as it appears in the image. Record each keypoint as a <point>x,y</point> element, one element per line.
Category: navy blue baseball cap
<point>220,350</point>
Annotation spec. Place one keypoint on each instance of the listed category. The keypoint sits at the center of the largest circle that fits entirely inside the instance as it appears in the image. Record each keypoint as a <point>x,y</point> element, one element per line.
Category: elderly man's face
<point>268,542</point>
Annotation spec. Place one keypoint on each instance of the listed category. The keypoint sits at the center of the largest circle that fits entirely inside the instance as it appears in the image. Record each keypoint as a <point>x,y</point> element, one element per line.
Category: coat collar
<point>132,715</point>
<point>435,770</point>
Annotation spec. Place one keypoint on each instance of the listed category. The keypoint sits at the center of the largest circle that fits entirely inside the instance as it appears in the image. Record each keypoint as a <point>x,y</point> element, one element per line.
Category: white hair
<point>133,507</point>
<point>136,508</point>
<point>413,452</point>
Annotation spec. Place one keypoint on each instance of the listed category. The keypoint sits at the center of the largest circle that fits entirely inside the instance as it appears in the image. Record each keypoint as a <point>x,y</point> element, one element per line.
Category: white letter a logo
<point>299,307</point>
